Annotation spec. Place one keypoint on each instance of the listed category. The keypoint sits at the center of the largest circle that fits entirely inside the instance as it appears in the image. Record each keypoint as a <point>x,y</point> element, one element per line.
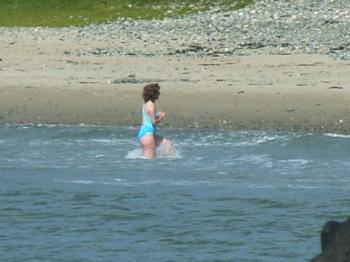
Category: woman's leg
<point>148,145</point>
<point>165,143</point>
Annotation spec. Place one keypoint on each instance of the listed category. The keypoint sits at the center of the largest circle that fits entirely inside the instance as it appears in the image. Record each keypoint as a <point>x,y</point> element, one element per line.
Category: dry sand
<point>307,93</point>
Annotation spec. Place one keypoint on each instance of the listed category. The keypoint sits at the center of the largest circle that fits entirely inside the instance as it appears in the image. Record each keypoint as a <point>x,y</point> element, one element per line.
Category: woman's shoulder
<point>149,103</point>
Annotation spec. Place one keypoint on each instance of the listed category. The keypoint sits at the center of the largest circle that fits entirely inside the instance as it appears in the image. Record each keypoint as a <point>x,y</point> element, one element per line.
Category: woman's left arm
<point>160,116</point>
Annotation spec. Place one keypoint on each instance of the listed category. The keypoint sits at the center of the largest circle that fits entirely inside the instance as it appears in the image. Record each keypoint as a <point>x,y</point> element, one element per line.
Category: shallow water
<point>83,193</point>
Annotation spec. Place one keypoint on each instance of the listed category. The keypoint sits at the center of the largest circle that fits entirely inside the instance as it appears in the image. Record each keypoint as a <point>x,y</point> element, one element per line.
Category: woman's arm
<point>151,110</point>
<point>160,117</point>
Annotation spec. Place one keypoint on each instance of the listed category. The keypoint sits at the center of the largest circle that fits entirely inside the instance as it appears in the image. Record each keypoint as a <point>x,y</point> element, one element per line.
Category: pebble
<point>266,27</point>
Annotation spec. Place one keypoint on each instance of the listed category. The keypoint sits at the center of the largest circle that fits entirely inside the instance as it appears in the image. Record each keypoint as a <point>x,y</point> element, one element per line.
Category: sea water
<point>85,193</point>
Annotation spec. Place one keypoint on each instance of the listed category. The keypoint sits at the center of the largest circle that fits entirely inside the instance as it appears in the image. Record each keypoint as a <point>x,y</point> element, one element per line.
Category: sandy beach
<point>272,66</point>
<point>40,83</point>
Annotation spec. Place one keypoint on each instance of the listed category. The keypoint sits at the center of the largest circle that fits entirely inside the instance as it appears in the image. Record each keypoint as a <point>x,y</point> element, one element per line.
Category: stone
<point>335,242</point>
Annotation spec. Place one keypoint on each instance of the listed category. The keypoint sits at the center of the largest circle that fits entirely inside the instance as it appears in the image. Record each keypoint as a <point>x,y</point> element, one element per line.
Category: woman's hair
<point>151,92</point>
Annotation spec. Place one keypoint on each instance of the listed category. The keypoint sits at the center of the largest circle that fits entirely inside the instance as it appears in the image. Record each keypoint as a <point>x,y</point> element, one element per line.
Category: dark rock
<point>131,79</point>
<point>341,47</point>
<point>195,47</point>
<point>335,87</point>
<point>335,242</point>
<point>252,45</point>
<point>100,52</point>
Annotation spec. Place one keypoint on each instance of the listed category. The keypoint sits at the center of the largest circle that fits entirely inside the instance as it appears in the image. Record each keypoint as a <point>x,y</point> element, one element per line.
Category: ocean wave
<point>261,139</point>
<point>84,182</point>
<point>337,135</point>
<point>296,161</point>
<point>254,159</point>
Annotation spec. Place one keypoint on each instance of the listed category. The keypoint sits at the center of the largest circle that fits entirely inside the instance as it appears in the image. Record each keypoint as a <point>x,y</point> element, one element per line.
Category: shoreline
<point>269,66</point>
<point>292,93</point>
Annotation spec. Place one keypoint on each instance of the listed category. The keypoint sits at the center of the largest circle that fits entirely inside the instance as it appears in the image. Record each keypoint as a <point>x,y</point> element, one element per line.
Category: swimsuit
<point>147,126</point>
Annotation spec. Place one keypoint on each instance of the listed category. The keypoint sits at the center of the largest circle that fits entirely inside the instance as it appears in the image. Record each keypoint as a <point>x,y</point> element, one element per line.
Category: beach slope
<point>42,84</point>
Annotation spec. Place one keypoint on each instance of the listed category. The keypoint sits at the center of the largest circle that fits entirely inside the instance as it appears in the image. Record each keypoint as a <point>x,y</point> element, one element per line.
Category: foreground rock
<point>335,242</point>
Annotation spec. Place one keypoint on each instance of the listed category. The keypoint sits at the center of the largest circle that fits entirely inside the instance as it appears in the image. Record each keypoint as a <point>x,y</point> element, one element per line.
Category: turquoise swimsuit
<point>147,127</point>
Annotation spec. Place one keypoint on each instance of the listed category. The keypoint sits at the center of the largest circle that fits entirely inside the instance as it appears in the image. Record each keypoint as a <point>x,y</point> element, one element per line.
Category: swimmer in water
<point>150,118</point>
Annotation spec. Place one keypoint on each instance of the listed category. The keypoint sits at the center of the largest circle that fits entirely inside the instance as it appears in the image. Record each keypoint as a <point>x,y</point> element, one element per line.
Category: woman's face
<point>158,93</point>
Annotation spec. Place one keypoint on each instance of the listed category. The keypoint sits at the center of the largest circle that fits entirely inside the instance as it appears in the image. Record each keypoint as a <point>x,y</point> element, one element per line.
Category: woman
<point>150,118</point>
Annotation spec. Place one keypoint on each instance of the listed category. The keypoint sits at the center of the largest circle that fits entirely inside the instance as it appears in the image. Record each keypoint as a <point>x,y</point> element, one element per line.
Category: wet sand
<point>307,93</point>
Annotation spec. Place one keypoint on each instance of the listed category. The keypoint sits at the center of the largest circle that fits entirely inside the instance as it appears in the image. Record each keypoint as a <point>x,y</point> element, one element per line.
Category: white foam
<point>102,141</point>
<point>108,141</point>
<point>99,156</point>
<point>161,152</point>
<point>84,182</point>
<point>23,127</point>
<point>337,135</point>
<point>119,180</point>
<point>47,125</point>
<point>262,139</point>
<point>255,159</point>
<point>135,154</point>
<point>296,161</point>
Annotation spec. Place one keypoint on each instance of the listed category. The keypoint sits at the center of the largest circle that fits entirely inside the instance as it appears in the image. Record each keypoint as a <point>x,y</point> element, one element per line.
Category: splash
<point>135,154</point>
<point>161,152</point>
<point>165,152</point>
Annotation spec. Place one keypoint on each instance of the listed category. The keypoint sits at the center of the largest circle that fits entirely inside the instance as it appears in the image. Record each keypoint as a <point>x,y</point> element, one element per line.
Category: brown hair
<point>151,92</point>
